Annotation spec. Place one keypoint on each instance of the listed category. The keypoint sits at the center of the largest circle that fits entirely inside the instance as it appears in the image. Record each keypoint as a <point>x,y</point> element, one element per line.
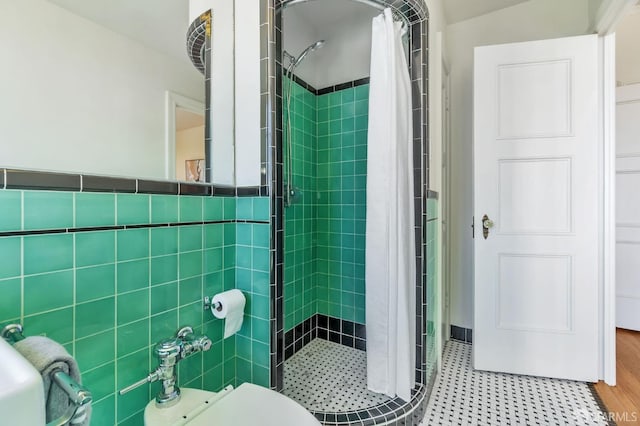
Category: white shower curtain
<point>390,239</point>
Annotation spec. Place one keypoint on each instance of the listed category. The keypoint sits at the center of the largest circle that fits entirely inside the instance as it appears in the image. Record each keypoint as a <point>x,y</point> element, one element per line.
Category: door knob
<point>486,225</point>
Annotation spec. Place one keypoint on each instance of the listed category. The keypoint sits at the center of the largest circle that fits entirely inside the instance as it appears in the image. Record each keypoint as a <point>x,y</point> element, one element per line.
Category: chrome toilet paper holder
<point>208,304</point>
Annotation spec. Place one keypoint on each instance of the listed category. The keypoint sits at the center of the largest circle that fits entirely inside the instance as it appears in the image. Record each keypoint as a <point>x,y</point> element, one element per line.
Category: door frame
<point>172,101</point>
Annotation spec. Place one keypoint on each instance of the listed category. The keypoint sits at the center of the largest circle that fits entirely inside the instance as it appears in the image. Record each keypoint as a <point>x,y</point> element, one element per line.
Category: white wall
<point>532,20</point>
<point>627,51</point>
<point>78,97</point>
<point>189,146</point>
<point>346,55</point>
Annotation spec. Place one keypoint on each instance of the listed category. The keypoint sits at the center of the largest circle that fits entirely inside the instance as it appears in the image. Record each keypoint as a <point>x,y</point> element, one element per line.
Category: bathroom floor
<point>327,376</point>
<point>462,396</point>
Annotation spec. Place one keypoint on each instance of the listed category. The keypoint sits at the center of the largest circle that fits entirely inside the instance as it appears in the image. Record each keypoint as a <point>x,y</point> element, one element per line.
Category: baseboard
<point>462,334</point>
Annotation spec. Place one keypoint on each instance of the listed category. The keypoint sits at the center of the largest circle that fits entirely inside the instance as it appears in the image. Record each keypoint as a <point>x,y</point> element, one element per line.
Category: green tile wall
<point>252,270</point>
<point>433,247</point>
<point>325,225</point>
<point>300,216</point>
<point>341,203</point>
<point>108,296</point>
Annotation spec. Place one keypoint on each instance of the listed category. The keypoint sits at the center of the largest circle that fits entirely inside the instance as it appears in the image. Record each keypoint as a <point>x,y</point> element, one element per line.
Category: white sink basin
<point>21,389</point>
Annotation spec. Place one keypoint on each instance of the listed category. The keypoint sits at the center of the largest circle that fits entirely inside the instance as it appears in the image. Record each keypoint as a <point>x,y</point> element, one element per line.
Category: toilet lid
<point>252,405</point>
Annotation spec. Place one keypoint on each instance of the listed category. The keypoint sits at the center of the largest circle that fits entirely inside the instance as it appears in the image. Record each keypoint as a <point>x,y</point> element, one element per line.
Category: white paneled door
<point>536,166</point>
<point>628,207</point>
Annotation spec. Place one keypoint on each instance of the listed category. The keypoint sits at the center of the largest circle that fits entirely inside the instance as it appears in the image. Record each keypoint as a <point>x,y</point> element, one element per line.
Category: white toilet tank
<point>21,389</point>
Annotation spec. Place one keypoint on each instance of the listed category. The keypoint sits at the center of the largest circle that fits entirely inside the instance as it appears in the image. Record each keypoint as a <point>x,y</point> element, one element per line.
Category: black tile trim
<point>461,334</point>
<point>108,184</point>
<point>157,187</point>
<point>320,326</point>
<point>432,195</point>
<point>342,86</point>
<point>122,227</point>
<point>330,89</point>
<point>51,181</point>
<point>23,179</point>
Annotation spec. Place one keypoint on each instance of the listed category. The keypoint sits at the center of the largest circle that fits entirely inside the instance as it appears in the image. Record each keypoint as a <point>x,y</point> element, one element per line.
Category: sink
<point>21,389</point>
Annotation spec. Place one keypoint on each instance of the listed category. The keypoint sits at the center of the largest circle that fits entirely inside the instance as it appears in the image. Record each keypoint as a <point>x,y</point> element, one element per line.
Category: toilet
<point>247,405</point>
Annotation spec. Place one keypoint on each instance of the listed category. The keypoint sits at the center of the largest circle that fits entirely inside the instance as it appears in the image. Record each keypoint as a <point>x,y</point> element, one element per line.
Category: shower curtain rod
<point>370,3</point>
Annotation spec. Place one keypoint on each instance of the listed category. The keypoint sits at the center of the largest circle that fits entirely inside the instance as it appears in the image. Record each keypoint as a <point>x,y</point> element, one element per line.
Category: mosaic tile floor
<point>462,396</point>
<point>327,376</point>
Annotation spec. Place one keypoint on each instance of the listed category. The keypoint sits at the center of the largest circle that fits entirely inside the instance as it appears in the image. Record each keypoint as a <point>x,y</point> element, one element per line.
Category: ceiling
<point>188,120</point>
<point>325,14</point>
<point>161,25</point>
<point>460,10</point>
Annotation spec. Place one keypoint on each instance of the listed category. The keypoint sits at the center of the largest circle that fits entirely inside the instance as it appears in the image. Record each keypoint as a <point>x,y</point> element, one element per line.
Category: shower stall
<point>321,97</point>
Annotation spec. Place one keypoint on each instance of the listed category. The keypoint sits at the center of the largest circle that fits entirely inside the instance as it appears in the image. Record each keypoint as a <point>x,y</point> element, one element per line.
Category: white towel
<point>47,357</point>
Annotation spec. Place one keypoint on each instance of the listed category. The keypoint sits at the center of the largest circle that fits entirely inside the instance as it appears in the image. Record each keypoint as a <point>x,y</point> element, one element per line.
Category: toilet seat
<point>250,405</point>
<point>247,405</point>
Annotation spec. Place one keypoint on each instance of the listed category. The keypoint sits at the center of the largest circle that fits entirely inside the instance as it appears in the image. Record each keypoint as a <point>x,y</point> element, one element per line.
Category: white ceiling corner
<point>461,10</point>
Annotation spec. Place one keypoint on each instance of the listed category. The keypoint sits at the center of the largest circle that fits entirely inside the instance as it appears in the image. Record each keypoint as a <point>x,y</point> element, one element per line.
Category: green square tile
<point>133,209</point>
<point>243,347</point>
<point>95,350</point>
<point>261,259</point>
<point>10,260</point>
<point>213,379</point>
<point>214,235</point>
<point>164,269</point>
<point>164,241</point>
<point>95,209</point>
<point>190,368</point>
<point>133,275</point>
<point>260,307</point>
<point>190,290</point>
<point>190,264</point>
<point>45,292</point>
<point>190,238</point>
<point>261,208</point>
<point>244,208</point>
<point>133,337</point>
<point>213,260</point>
<point>103,412</point>
<point>133,306</point>
<point>132,367</point>
<point>229,234</point>
<point>57,325</point>
<point>243,257</point>
<point>190,209</point>
<point>243,234</point>
<point>94,317</point>
<point>164,297</point>
<point>133,244</point>
<point>45,253</point>
<point>261,376</point>
<point>11,218</point>
<point>95,248</point>
<point>129,411</point>
<point>48,210</point>
<point>260,353</point>
<point>95,282</point>
<point>229,208</point>
<point>164,325</point>
<point>191,315</point>
<point>11,300</point>
<point>213,208</point>
<point>102,381</point>
<point>164,208</point>
<point>229,370</point>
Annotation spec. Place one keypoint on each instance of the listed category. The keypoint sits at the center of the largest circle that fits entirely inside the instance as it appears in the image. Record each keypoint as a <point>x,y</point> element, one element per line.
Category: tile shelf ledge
<point>13,178</point>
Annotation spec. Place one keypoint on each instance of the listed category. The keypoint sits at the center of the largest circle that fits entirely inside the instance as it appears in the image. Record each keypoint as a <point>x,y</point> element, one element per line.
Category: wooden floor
<point>624,399</point>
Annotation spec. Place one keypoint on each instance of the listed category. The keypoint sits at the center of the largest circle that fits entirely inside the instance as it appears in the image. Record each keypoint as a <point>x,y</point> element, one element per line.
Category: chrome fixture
<point>208,304</point>
<point>79,396</point>
<point>169,353</point>
<point>290,190</point>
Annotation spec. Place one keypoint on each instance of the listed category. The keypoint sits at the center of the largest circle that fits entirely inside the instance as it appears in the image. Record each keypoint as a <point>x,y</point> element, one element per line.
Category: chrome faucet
<point>169,353</point>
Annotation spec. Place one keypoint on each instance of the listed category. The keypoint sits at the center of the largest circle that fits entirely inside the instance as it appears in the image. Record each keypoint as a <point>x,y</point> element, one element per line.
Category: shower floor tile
<point>462,396</point>
<point>329,377</point>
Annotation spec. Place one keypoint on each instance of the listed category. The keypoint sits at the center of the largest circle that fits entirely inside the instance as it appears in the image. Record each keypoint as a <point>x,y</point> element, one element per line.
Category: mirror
<point>93,87</point>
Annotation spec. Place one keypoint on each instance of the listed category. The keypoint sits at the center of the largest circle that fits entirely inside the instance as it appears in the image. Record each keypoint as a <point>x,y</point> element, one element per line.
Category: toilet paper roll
<point>232,310</point>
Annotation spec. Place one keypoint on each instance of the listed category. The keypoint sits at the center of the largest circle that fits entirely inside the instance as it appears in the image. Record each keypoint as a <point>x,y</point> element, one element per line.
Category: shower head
<point>315,46</point>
